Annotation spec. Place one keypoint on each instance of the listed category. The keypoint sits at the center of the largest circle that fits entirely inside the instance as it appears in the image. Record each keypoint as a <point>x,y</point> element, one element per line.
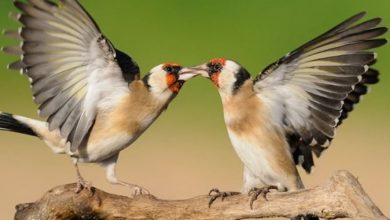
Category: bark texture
<point>340,197</point>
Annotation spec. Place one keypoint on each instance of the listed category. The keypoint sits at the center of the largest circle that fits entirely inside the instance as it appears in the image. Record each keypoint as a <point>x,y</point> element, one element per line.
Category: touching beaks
<point>187,73</point>
<point>190,72</point>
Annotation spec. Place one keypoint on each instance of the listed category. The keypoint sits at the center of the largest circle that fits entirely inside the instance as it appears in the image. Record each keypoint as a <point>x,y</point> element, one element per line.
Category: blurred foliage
<point>255,33</point>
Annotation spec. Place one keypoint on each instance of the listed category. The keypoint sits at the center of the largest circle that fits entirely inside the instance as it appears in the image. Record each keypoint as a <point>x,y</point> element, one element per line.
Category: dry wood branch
<point>341,197</point>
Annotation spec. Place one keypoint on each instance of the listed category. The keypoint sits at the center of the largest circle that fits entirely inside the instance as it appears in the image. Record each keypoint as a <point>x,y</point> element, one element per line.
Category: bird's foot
<point>134,188</point>
<point>255,192</point>
<point>138,190</point>
<point>215,194</point>
<point>82,184</point>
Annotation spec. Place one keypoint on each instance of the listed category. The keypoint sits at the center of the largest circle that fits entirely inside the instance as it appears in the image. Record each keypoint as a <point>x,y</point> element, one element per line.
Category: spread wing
<point>315,86</point>
<point>74,70</point>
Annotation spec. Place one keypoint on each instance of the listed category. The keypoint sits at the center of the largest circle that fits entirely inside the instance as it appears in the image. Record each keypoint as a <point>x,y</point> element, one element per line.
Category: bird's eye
<point>217,67</point>
<point>168,69</point>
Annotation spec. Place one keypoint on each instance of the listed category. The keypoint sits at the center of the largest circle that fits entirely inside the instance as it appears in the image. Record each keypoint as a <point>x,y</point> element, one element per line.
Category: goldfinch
<point>292,108</point>
<point>91,93</point>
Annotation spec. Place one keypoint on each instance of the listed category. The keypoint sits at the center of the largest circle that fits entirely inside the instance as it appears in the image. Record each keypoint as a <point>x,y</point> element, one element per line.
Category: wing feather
<point>70,64</point>
<point>57,119</point>
<point>70,122</point>
<point>12,50</point>
<point>46,47</point>
<point>17,65</point>
<point>319,83</point>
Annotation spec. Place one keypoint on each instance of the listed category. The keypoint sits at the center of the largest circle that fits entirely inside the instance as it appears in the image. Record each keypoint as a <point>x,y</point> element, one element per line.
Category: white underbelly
<point>109,145</point>
<point>105,148</point>
<point>254,158</point>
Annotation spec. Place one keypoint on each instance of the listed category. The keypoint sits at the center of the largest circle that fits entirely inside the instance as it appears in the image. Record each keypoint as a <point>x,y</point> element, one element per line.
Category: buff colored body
<point>258,141</point>
<point>291,110</point>
<point>114,129</point>
<point>92,95</point>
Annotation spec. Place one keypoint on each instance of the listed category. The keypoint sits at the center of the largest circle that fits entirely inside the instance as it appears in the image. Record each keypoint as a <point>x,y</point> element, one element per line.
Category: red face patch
<point>172,82</point>
<point>170,65</point>
<point>171,79</point>
<point>172,70</point>
<point>214,78</point>
<point>220,61</point>
<point>215,66</point>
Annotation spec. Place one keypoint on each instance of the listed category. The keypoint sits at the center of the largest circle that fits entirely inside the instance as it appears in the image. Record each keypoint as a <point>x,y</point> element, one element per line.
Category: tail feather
<point>9,123</point>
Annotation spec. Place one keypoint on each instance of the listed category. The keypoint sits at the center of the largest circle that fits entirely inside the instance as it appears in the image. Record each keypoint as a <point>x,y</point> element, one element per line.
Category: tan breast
<point>133,113</point>
<point>247,117</point>
<point>242,110</point>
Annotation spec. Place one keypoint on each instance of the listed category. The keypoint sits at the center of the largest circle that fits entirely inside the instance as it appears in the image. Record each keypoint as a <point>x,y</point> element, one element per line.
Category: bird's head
<point>227,75</point>
<point>164,78</point>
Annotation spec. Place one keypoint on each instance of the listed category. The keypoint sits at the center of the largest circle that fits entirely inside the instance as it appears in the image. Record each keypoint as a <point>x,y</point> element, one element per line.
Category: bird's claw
<point>214,190</point>
<point>82,184</point>
<point>139,190</point>
<point>215,194</point>
<point>255,192</point>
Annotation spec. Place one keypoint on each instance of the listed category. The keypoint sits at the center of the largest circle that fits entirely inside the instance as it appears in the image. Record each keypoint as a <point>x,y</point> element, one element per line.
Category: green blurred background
<point>187,151</point>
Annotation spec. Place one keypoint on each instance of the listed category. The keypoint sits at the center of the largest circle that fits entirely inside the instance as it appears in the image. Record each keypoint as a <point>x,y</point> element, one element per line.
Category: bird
<point>91,94</point>
<point>290,110</point>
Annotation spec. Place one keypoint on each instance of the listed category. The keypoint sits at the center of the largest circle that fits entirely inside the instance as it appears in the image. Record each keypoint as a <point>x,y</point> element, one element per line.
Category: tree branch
<point>341,197</point>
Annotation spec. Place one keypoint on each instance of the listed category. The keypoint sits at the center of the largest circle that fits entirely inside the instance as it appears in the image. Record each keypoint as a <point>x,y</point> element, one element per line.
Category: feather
<point>331,72</point>
<point>60,99</point>
<point>63,53</point>
<point>70,122</point>
<point>17,65</point>
<point>12,34</point>
<point>12,50</point>
<point>58,118</point>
